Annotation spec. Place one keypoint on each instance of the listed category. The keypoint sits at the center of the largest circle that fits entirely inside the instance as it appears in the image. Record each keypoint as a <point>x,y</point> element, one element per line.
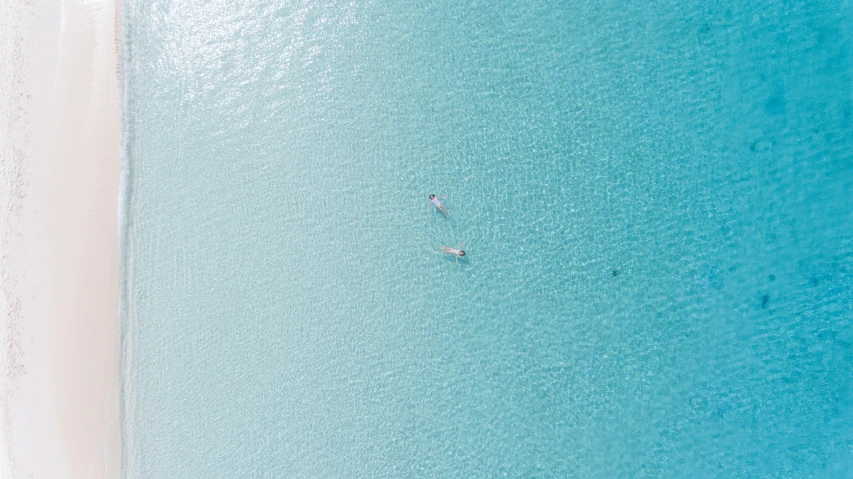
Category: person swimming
<point>433,200</point>
<point>454,251</point>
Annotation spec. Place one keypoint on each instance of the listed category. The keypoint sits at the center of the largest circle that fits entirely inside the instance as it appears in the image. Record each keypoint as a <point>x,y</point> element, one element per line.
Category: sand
<point>59,176</point>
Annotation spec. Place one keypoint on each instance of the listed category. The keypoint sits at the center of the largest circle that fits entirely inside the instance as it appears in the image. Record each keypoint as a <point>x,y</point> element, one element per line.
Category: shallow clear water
<point>655,200</point>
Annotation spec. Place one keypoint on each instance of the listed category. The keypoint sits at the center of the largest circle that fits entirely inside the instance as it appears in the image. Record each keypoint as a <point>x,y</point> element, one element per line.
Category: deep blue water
<point>656,200</point>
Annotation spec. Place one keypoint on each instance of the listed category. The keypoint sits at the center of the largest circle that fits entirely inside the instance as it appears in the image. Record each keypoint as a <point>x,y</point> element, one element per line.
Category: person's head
<point>432,197</point>
<point>461,253</point>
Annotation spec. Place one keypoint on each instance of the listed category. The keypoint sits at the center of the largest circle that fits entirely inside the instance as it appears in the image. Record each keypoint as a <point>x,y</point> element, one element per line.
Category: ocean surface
<point>655,198</point>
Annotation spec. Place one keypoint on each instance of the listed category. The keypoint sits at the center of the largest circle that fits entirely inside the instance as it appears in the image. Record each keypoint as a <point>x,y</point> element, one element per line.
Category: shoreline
<point>62,109</point>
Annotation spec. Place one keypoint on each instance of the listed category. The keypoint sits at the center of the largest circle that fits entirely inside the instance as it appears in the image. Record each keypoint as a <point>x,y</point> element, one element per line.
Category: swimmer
<point>454,251</point>
<point>433,201</point>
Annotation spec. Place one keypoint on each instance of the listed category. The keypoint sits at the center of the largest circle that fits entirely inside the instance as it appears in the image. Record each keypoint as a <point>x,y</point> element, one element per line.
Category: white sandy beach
<point>59,175</point>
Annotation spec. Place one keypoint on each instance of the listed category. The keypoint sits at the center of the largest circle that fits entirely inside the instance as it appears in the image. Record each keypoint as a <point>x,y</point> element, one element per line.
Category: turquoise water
<point>656,201</point>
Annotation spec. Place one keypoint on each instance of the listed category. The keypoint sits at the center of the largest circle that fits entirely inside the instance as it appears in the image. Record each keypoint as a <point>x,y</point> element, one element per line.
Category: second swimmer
<point>454,251</point>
